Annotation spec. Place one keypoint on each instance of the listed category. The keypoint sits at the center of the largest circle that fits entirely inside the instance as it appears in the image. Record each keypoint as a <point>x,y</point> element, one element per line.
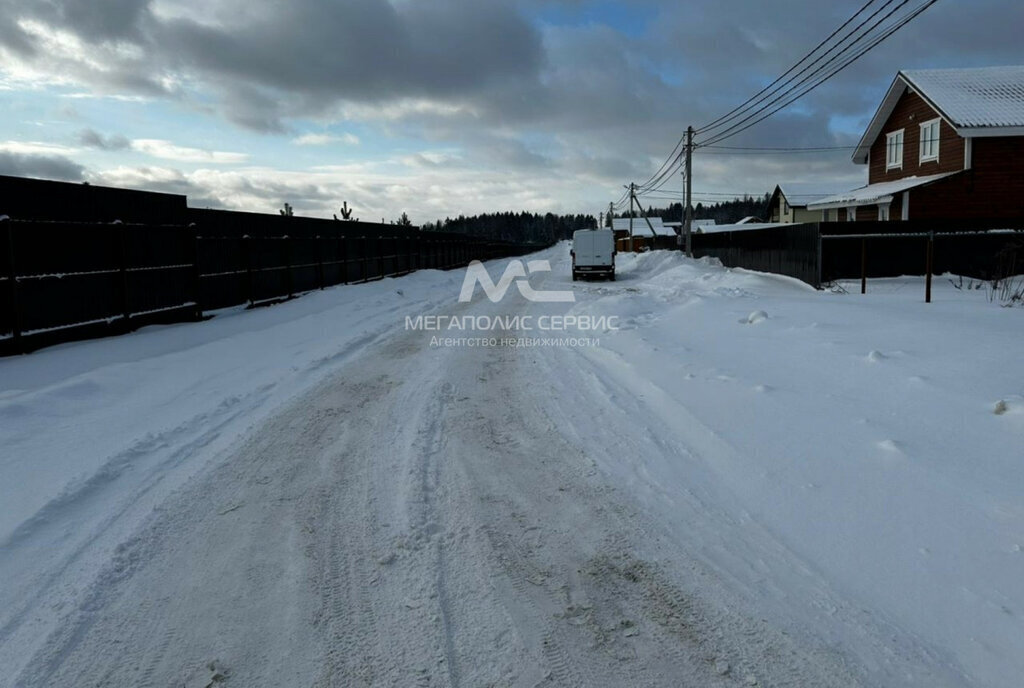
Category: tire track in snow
<point>430,483</point>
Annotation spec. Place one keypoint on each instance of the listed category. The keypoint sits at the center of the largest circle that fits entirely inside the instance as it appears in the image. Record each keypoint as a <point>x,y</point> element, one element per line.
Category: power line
<point>755,97</point>
<point>661,177</point>
<point>779,94</point>
<point>743,124</point>
<point>774,94</point>
<point>814,78</point>
<point>672,159</point>
<point>798,149</point>
<point>781,148</point>
<point>674,194</point>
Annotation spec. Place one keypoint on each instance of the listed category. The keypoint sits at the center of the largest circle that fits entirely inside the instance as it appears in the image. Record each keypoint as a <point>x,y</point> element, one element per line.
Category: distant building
<point>641,227</point>
<point>788,203</point>
<point>697,227</point>
<point>944,143</point>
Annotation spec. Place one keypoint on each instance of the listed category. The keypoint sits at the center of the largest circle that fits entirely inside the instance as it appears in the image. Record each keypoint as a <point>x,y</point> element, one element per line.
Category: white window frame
<point>851,214</point>
<point>883,212</point>
<point>894,143</point>
<point>933,141</point>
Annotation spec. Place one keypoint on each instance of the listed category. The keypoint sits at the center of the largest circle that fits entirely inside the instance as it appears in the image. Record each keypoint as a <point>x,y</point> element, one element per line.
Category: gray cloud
<point>41,166</point>
<point>91,138</point>
<point>290,59</point>
<point>517,95</point>
<point>365,49</point>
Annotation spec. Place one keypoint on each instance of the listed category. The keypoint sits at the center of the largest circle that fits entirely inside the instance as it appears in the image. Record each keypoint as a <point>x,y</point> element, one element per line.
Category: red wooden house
<point>944,143</point>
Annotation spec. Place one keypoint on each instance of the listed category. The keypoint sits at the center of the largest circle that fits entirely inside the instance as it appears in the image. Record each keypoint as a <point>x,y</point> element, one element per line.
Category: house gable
<point>909,113</point>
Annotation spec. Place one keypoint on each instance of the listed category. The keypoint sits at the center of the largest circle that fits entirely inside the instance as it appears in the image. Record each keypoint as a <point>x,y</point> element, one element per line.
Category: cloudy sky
<point>441,107</point>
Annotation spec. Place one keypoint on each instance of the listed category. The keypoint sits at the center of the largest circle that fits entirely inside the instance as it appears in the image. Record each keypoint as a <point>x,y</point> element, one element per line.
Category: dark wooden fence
<point>818,253</point>
<point>63,281</point>
<point>982,249</point>
<point>39,199</point>
<point>790,250</point>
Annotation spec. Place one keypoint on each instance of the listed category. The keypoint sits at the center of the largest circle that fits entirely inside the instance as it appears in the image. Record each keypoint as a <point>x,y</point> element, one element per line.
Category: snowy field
<point>749,482</point>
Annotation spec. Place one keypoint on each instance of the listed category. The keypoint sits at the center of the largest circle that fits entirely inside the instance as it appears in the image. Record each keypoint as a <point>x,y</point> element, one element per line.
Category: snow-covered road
<point>330,500</point>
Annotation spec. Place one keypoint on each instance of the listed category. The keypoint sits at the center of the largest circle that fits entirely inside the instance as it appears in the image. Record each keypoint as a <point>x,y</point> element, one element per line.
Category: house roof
<point>741,227</point>
<point>662,228</point>
<point>800,194</point>
<point>873,194</point>
<point>640,226</point>
<point>979,101</point>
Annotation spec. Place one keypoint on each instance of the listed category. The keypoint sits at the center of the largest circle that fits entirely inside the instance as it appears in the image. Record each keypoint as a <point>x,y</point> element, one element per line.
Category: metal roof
<point>800,194</point>
<point>977,101</point>
<point>980,97</point>
<point>876,193</point>
<point>640,227</point>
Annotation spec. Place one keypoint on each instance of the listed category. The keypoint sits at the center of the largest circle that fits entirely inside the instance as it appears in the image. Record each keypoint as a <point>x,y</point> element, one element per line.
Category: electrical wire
<point>766,99</point>
<point>770,91</point>
<point>743,124</point>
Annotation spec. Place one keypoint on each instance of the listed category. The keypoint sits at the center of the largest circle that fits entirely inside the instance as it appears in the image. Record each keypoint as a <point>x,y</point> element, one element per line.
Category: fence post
<point>380,254</point>
<point>247,243</point>
<point>197,275</point>
<point>364,261</point>
<point>343,256</point>
<point>929,260</point>
<point>123,260</point>
<point>287,240</point>
<point>863,266</point>
<point>12,274</point>
<point>320,260</point>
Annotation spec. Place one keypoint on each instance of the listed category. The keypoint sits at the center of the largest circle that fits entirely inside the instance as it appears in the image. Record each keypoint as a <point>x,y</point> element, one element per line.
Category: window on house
<point>894,150</point>
<point>883,212</point>
<point>851,214</point>
<point>930,141</point>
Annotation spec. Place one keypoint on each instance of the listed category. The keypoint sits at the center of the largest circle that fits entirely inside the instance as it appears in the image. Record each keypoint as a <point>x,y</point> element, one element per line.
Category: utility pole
<point>688,221</point>
<point>631,197</point>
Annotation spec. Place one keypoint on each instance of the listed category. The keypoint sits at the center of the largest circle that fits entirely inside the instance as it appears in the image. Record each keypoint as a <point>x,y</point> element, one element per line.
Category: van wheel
<point>611,277</point>
<point>574,276</point>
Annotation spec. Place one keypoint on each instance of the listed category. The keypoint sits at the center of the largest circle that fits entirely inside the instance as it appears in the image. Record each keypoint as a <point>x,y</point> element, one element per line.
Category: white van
<point>593,253</point>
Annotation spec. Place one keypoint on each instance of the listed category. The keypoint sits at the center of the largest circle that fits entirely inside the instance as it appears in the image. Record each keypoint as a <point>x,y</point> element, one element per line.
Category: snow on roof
<point>641,228</point>
<point>978,97</point>
<point>979,101</point>
<point>875,193</point>
<point>661,228</point>
<point>741,227</point>
<point>801,193</point>
<point>704,222</point>
<point>623,222</point>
